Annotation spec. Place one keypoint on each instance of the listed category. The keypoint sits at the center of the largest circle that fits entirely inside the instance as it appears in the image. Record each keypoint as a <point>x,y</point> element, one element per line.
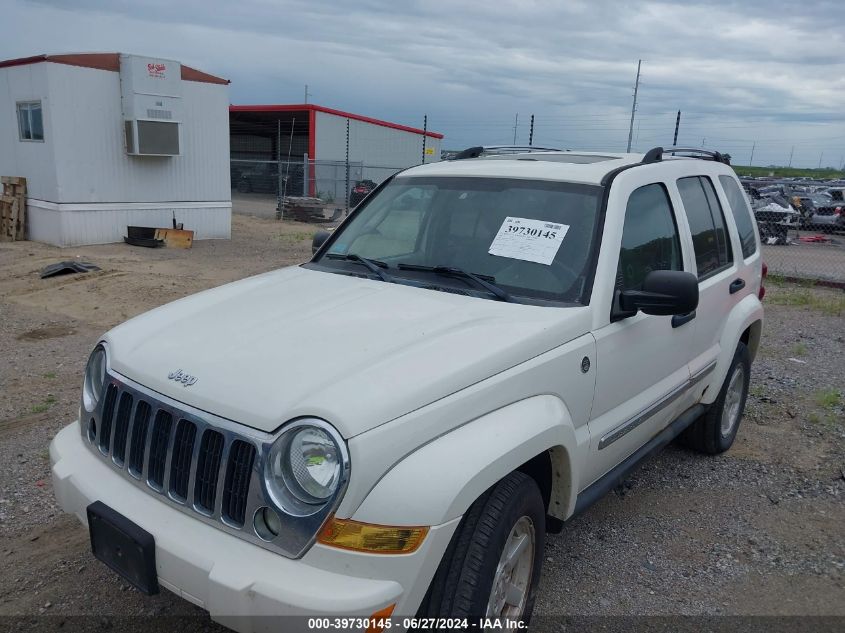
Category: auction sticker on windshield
<point>529,240</point>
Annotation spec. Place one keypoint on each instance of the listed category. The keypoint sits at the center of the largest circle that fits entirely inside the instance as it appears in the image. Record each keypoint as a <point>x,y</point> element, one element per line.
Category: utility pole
<point>515,125</point>
<point>634,106</point>
<point>791,151</point>
<point>753,147</point>
<point>425,135</point>
<point>307,94</point>
<point>531,133</point>
<point>677,126</point>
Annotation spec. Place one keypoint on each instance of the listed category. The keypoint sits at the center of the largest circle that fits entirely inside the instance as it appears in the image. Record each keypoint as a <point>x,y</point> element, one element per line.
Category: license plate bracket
<point>124,546</point>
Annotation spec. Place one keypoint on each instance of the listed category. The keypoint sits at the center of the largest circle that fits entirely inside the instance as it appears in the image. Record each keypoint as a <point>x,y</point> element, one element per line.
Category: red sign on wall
<point>156,70</point>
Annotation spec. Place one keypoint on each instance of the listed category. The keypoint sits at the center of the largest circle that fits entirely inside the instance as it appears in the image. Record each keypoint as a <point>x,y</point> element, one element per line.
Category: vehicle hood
<point>355,352</point>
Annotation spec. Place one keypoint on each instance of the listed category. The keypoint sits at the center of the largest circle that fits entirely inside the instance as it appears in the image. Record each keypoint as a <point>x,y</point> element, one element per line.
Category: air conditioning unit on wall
<point>151,98</point>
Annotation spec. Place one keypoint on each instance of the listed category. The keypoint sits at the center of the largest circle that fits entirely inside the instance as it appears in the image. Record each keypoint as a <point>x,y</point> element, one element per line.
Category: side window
<point>742,215</point>
<point>649,238</point>
<point>707,224</point>
<point>30,123</point>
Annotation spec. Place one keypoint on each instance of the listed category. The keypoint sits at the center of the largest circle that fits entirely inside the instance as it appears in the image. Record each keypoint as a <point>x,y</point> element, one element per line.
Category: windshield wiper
<point>374,265</point>
<point>500,293</point>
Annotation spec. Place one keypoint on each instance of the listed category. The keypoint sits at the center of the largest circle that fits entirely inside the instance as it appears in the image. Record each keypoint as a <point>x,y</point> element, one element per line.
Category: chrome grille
<point>104,435</point>
<point>159,443</point>
<point>121,428</point>
<point>208,470</point>
<point>199,463</point>
<point>139,439</point>
<point>180,466</point>
<point>241,458</point>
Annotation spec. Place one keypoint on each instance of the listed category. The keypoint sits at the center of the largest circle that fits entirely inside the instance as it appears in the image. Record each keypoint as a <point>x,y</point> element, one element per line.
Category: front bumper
<point>235,581</point>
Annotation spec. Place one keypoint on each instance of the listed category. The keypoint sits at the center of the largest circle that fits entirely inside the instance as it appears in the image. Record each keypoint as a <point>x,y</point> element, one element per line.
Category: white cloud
<point>769,72</point>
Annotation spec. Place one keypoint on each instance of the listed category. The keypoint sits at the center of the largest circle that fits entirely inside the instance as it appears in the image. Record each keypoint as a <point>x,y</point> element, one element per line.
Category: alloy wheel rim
<point>512,579</point>
<point>731,410</point>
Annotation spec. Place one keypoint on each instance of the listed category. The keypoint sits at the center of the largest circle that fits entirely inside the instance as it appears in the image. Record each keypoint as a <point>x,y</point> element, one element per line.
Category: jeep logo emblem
<point>179,376</point>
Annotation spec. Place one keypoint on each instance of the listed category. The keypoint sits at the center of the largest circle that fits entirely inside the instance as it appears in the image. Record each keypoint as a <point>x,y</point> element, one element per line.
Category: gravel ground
<point>757,531</point>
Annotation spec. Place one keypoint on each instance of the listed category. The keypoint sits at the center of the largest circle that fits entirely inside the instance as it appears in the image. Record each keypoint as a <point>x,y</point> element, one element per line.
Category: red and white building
<point>314,134</point>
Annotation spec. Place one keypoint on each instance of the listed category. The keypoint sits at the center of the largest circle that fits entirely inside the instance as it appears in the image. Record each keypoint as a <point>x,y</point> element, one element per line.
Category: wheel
<point>243,186</point>
<point>714,432</point>
<point>492,566</point>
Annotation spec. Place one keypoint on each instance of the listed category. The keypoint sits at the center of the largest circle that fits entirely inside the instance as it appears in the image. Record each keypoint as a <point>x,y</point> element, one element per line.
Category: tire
<point>243,186</point>
<point>708,434</point>
<point>463,583</point>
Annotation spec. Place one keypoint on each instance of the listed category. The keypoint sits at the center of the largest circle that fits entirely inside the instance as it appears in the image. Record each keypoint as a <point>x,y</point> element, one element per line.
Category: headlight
<point>305,468</point>
<point>95,377</point>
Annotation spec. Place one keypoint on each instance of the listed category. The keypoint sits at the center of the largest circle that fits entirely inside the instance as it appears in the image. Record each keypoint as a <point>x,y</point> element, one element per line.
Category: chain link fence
<point>328,189</point>
<point>802,227</point>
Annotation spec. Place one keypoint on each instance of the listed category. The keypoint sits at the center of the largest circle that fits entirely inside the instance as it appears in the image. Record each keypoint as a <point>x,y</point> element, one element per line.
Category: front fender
<point>440,480</point>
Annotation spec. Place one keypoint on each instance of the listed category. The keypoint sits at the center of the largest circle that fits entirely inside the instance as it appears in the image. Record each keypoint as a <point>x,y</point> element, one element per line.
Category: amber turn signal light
<point>366,537</point>
<point>379,619</point>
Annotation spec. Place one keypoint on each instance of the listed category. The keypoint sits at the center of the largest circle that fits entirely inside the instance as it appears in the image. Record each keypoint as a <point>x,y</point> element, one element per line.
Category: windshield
<point>532,239</point>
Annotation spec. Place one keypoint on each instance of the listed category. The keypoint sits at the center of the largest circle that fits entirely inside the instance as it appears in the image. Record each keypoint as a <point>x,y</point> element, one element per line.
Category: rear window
<point>742,215</point>
<point>707,224</point>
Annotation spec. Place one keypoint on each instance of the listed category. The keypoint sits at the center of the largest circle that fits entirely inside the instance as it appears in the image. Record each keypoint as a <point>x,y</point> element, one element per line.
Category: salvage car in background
<point>360,190</point>
<point>775,217</point>
<point>820,212</point>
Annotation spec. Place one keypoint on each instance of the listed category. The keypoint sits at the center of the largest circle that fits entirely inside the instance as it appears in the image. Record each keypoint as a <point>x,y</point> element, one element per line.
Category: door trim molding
<point>632,423</point>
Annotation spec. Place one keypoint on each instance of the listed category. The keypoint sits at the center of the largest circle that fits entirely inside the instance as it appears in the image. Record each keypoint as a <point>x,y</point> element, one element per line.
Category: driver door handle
<point>679,319</point>
<point>736,285</point>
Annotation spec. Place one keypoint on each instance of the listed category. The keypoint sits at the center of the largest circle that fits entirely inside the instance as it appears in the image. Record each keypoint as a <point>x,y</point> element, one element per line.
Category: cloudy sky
<point>767,75</point>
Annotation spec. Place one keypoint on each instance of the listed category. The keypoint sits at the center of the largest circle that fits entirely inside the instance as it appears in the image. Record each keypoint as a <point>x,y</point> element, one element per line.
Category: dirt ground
<point>756,531</point>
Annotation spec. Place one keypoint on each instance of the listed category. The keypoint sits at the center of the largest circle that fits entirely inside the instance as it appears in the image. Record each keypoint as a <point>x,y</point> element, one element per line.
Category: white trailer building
<point>107,140</point>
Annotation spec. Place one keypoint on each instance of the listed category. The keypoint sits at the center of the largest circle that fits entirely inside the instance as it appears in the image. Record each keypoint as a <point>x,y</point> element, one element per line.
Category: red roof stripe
<point>312,107</point>
<point>105,61</point>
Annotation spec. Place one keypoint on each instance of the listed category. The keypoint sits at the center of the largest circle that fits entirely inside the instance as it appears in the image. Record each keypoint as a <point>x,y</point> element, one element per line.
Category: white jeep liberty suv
<point>482,349</point>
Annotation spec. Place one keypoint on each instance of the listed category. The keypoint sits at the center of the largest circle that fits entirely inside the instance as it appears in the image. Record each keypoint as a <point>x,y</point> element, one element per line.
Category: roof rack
<point>656,154</point>
<point>489,150</point>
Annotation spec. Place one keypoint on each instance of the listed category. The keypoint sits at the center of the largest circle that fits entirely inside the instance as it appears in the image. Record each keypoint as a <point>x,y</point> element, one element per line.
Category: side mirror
<point>319,237</point>
<point>664,292</point>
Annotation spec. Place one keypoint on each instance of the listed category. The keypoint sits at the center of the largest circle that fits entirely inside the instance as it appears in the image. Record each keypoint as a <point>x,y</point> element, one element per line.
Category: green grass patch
<point>775,279</point>
<point>824,302</point>
<point>43,406</point>
<point>788,172</point>
<point>799,349</point>
<point>50,375</point>
<point>295,237</point>
<point>828,398</point>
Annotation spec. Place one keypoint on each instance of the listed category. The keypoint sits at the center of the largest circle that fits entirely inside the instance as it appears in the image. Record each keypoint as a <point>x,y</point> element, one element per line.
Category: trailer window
<point>30,123</point>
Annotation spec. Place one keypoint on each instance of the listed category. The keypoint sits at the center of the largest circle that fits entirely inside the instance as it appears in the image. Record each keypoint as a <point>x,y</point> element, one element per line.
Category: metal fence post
<point>346,192</point>
<point>279,201</point>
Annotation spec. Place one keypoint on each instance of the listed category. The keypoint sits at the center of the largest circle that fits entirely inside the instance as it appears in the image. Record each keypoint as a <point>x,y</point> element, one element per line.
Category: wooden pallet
<point>13,209</point>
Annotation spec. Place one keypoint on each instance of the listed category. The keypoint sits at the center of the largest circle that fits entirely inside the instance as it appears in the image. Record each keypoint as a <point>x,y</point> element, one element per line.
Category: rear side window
<point>649,238</point>
<point>742,215</point>
<point>707,224</point>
